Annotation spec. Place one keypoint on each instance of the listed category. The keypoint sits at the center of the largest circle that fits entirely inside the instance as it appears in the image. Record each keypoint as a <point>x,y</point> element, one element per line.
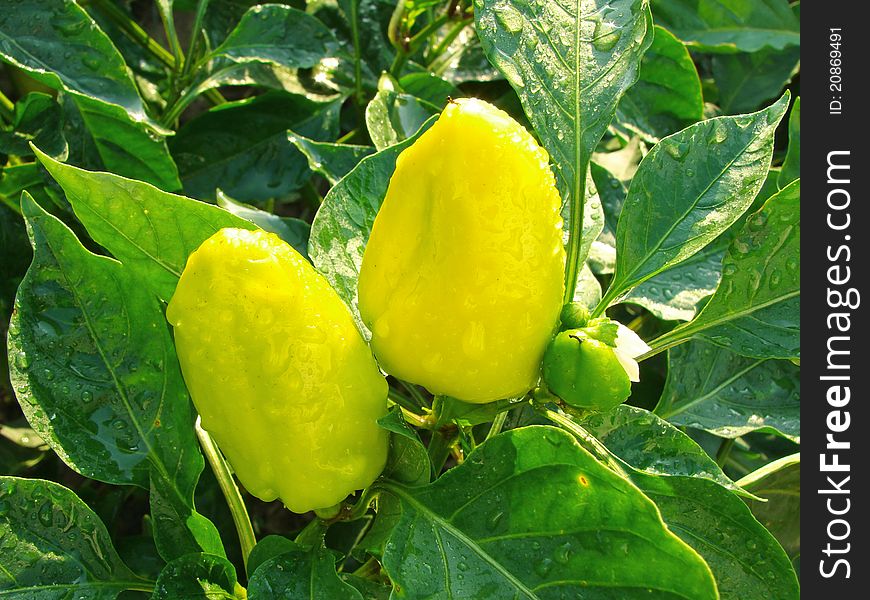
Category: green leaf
<point>293,231</point>
<point>331,160</point>
<point>747,561</point>
<point>653,445</point>
<point>779,484</point>
<point>407,461</point>
<point>242,147</point>
<point>14,179</point>
<point>278,34</point>
<point>667,96</point>
<point>729,395</point>
<point>570,65</point>
<point>730,25</point>
<point>94,366</point>
<point>37,120</point>
<point>125,147</point>
<point>95,371</point>
<point>57,43</point>
<point>791,168</point>
<point>677,293</point>
<point>674,294</point>
<point>746,80</point>
<point>531,514</point>
<point>269,547</point>
<point>588,290</point>
<point>344,221</point>
<point>430,88</point>
<point>300,575</point>
<point>54,546</point>
<point>392,116</point>
<point>197,577</point>
<point>721,165</point>
<point>756,309</point>
<point>151,231</point>
<point>178,528</point>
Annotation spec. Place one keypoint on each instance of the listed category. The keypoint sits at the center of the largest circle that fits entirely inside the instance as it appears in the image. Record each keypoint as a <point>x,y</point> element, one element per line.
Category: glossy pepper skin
<point>585,372</point>
<point>278,371</point>
<point>462,278</point>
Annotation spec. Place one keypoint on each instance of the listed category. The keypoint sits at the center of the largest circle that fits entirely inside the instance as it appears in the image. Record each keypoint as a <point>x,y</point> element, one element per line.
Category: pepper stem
<point>236,504</point>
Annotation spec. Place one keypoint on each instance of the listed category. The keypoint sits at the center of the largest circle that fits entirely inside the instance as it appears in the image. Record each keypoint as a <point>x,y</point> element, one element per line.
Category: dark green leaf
<point>747,561</point>
<point>730,25</point>
<point>654,446</point>
<point>197,577</point>
<point>54,546</point>
<point>342,226</point>
<point>300,575</point>
<point>407,461</point>
<point>729,395</point>
<point>667,96</point>
<point>721,165</point>
<point>270,547</point>
<point>570,65</point>
<point>779,483</point>
<point>530,514</point>
<point>124,146</point>
<point>746,80</point>
<point>278,34</point>
<point>293,231</point>
<point>37,120</point>
<point>674,294</point>
<point>94,367</point>
<point>333,161</point>
<point>588,290</point>
<point>242,147</point>
<point>392,117</point>
<point>178,528</point>
<point>152,232</point>
<point>429,87</point>
<point>791,168</point>
<point>756,309</point>
<point>58,44</point>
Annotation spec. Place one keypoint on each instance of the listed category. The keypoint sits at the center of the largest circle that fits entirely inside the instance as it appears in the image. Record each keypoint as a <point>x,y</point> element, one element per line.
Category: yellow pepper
<point>278,371</point>
<point>462,278</point>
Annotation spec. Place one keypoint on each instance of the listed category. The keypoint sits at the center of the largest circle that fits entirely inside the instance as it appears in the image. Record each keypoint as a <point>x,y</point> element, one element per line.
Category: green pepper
<point>585,372</point>
<point>462,277</point>
<point>278,371</point>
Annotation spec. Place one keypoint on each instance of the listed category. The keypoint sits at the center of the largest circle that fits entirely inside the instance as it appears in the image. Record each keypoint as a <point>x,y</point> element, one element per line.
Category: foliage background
<point>274,105</point>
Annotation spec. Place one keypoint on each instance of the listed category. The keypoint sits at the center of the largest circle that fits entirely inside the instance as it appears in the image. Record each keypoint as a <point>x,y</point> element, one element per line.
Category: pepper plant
<point>501,297</point>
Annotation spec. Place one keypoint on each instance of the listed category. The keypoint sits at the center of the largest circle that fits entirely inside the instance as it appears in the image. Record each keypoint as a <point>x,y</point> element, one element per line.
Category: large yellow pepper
<point>278,371</point>
<point>462,279</point>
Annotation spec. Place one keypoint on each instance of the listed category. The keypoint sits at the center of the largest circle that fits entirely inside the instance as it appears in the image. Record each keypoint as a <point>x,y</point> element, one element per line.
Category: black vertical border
<point>823,132</point>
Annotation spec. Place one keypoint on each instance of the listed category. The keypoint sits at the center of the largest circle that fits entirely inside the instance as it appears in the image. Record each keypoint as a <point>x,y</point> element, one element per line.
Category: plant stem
<point>575,230</point>
<point>415,393</point>
<point>231,493</point>
<point>165,10</point>
<point>134,32</point>
<point>7,108</point>
<point>359,97</point>
<point>201,7</point>
<point>369,569</point>
<point>497,424</point>
<point>724,452</point>
<point>445,42</point>
<point>414,44</point>
<point>667,341</point>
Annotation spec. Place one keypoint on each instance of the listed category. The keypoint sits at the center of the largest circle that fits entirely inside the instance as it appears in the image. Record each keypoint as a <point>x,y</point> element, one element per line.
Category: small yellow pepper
<point>278,371</point>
